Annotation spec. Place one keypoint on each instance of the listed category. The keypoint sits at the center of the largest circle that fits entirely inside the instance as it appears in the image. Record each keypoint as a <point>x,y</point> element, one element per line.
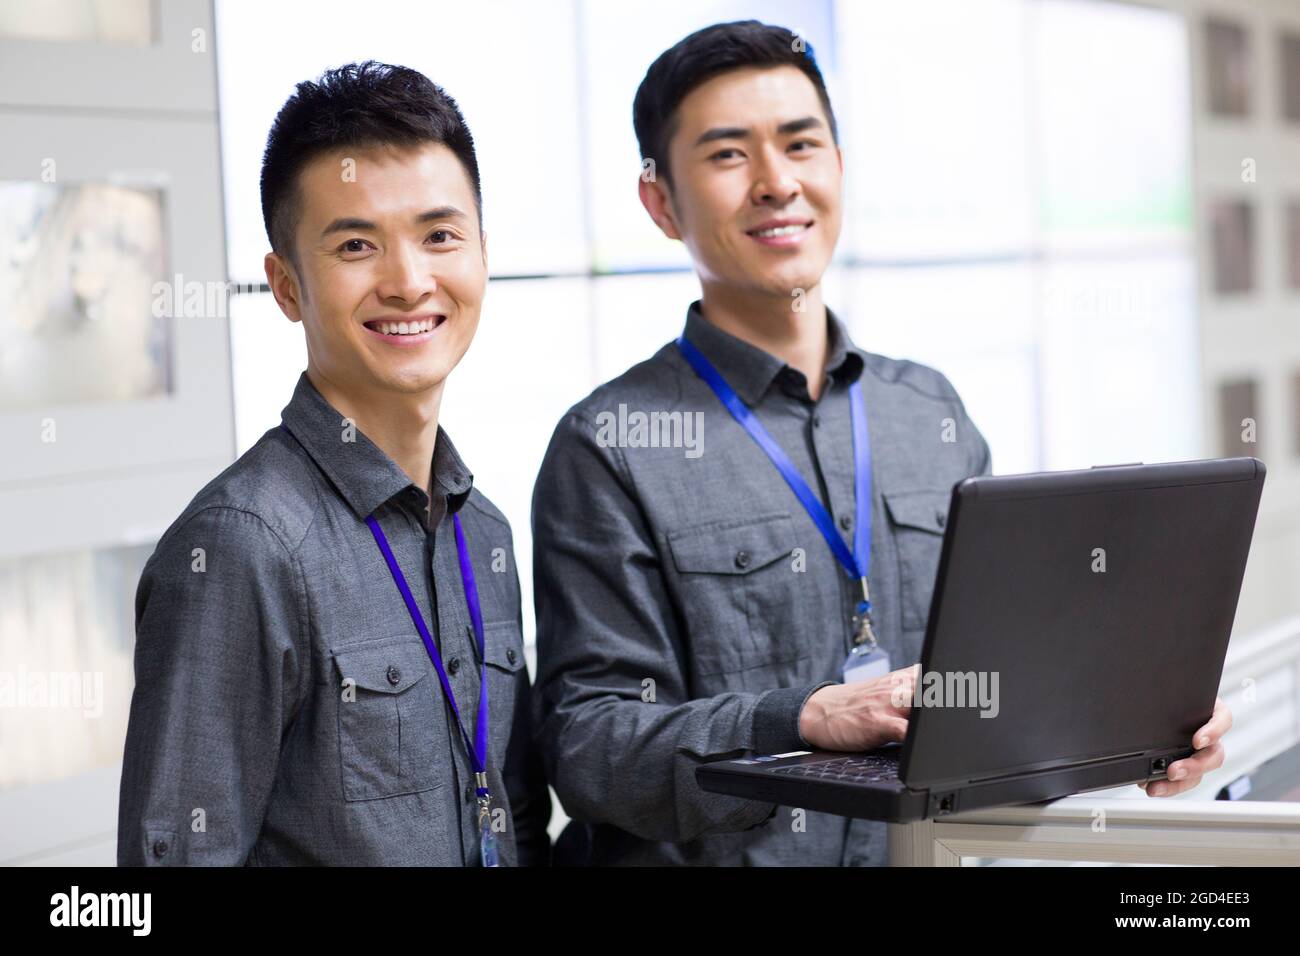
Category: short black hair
<point>361,105</point>
<point>707,53</point>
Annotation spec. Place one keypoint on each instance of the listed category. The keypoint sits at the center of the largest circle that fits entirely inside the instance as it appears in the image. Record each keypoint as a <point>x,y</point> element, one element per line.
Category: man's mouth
<point>769,232</point>
<point>780,232</point>
<point>399,327</point>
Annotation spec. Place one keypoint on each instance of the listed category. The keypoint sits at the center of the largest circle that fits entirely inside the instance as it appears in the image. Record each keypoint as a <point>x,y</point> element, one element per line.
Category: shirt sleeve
<point>981,458</point>
<point>981,461</point>
<point>984,458</point>
<point>221,659</point>
<point>617,729</point>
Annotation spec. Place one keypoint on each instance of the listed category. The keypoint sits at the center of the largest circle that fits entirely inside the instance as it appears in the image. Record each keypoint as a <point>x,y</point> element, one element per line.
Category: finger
<point>902,703</point>
<point>900,691</point>
<point>896,728</point>
<point>1201,762</point>
<point>908,676</point>
<point>900,675</point>
<point>1186,774</point>
<point>1215,727</point>
<point>1164,788</point>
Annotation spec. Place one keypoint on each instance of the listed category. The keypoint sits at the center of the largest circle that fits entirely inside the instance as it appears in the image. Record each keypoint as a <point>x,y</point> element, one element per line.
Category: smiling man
<point>766,594</point>
<point>329,660</point>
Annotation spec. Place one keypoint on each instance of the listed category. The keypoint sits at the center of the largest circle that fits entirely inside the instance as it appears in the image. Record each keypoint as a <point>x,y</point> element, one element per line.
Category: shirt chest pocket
<point>392,731</point>
<point>742,593</point>
<point>917,520</point>
<point>504,650</point>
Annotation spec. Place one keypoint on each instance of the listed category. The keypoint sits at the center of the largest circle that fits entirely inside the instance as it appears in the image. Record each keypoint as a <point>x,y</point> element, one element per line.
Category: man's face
<point>393,239</point>
<point>756,182</point>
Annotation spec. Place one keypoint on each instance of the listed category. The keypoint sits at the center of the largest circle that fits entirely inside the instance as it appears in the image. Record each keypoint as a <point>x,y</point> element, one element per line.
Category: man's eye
<point>348,246</point>
<point>725,154</point>
<point>440,235</point>
<point>809,144</point>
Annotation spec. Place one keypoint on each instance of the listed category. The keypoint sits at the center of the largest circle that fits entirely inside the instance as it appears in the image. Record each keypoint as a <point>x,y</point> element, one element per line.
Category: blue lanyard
<point>856,562</point>
<point>477,749</point>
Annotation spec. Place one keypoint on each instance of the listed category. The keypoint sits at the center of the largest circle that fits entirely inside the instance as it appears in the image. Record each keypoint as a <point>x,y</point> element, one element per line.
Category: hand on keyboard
<point>862,715</point>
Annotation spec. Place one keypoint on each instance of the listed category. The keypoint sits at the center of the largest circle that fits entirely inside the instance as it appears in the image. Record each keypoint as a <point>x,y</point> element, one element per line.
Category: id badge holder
<point>487,840</point>
<point>865,662</point>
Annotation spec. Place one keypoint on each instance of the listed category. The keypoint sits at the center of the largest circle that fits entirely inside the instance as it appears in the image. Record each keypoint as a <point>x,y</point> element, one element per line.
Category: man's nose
<point>775,184</point>
<point>406,275</point>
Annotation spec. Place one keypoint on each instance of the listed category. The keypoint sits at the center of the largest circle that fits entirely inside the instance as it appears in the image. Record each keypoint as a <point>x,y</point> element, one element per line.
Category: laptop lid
<point>1086,614</point>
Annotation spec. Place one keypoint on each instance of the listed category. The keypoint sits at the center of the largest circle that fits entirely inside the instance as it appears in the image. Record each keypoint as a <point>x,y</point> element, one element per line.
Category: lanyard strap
<point>855,562</point>
<point>477,750</point>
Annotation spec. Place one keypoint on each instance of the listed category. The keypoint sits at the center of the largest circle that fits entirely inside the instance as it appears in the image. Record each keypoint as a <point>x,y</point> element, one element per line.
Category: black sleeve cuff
<point>776,719</point>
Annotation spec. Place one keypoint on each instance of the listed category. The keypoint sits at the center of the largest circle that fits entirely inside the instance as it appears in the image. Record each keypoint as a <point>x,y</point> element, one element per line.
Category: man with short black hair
<point>767,593</point>
<point>329,657</point>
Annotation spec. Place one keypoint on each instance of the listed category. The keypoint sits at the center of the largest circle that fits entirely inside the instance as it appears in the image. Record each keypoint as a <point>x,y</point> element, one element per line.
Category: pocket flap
<point>927,510</point>
<point>503,644</point>
<point>732,547</point>
<point>387,666</point>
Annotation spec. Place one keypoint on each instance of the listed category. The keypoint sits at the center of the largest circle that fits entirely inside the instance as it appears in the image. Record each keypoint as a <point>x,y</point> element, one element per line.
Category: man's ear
<point>284,285</point>
<point>482,242</point>
<point>658,202</point>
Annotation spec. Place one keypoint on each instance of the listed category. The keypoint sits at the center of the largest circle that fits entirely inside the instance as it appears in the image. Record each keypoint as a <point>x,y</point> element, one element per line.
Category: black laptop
<point>1076,641</point>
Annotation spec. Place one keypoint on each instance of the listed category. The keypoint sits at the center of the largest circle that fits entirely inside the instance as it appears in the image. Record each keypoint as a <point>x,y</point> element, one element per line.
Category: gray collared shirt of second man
<point>687,605</point>
<point>284,699</point>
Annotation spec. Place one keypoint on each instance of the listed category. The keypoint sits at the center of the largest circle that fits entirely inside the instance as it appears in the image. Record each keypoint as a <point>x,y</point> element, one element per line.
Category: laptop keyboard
<point>868,768</point>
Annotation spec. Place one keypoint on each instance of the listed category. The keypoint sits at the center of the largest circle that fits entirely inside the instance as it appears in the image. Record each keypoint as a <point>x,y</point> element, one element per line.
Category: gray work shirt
<point>285,708</point>
<point>687,605</point>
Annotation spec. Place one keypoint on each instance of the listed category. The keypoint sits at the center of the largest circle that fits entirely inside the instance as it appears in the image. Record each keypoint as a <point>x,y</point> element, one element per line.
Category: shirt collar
<point>749,370</point>
<point>359,469</point>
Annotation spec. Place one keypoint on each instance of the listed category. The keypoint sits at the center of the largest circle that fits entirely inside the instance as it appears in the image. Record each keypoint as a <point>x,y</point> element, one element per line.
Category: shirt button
<point>394,675</point>
<point>742,559</point>
<point>511,656</point>
<point>846,522</point>
<point>453,665</point>
<point>817,421</point>
<point>160,849</point>
<point>469,794</point>
<point>941,518</point>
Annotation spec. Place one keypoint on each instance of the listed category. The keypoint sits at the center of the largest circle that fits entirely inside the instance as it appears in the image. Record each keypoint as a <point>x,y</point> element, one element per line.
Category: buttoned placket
<point>829,437</point>
<point>460,662</point>
<point>830,433</point>
<point>453,635</point>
